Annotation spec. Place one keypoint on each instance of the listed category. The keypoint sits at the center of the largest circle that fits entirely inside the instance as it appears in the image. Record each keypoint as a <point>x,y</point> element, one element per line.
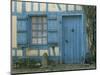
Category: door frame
<point>85,47</point>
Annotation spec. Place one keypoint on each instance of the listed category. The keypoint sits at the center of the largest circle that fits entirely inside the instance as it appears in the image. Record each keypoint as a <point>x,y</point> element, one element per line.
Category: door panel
<point>72,39</point>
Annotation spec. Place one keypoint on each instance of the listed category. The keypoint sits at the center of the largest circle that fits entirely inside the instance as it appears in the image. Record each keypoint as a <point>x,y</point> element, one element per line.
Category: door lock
<point>66,41</point>
<point>72,30</point>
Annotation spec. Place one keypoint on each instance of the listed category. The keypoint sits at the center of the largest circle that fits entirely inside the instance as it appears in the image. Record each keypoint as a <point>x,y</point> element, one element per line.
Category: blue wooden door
<point>72,39</point>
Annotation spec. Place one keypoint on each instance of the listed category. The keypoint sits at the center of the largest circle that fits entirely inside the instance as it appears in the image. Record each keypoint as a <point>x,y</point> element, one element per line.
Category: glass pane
<point>34,27</point>
<point>44,20</point>
<point>45,27</point>
<point>34,40</point>
<point>44,34</point>
<point>39,20</point>
<point>44,40</point>
<point>39,27</point>
<point>35,6</point>
<point>34,34</point>
<point>39,34</point>
<point>39,40</point>
<point>34,20</point>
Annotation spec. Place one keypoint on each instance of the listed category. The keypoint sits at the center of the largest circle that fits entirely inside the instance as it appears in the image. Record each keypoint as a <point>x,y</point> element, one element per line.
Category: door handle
<point>72,30</point>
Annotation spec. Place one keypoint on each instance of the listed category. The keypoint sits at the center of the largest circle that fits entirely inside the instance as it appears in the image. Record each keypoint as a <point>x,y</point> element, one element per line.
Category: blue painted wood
<point>15,7</point>
<point>29,33</point>
<point>32,6</point>
<point>72,39</point>
<point>23,7</point>
<point>24,52</point>
<point>46,7</point>
<point>39,8</point>
<point>52,28</point>
<point>21,38</point>
<point>21,25</point>
<point>55,32</point>
<point>59,23</point>
<point>22,29</point>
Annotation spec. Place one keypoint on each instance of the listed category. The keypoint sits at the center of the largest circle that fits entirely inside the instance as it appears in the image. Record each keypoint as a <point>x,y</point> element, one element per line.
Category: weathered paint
<point>14,31</point>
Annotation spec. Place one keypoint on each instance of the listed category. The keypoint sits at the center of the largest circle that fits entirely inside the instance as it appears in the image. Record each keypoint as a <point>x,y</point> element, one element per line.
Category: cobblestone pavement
<point>59,67</point>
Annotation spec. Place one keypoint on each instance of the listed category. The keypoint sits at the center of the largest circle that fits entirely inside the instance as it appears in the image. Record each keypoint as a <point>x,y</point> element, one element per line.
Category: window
<point>39,30</point>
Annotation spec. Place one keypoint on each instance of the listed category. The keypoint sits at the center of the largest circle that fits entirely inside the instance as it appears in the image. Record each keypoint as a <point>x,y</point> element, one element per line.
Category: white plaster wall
<point>63,7</point>
<point>78,7</point>
<point>43,6</point>
<point>32,52</point>
<point>70,7</point>
<point>19,53</point>
<point>35,6</point>
<point>28,6</point>
<point>52,7</point>
<point>43,51</point>
<point>56,52</point>
<point>13,52</point>
<point>14,33</point>
<point>19,7</point>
